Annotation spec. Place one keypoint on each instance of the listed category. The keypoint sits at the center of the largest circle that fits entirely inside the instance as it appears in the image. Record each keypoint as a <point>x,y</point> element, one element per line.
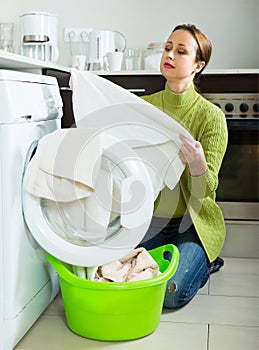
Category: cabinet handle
<point>137,90</point>
<point>64,88</point>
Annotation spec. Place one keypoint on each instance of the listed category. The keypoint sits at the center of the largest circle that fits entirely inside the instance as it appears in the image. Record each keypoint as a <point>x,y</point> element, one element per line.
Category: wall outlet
<point>77,35</point>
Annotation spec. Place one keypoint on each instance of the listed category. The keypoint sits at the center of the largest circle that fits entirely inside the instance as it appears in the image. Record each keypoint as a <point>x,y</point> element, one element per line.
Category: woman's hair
<point>204,45</point>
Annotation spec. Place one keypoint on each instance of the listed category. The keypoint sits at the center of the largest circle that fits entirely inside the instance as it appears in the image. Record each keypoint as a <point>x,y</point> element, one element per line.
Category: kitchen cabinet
<point>63,77</point>
<point>138,83</point>
<point>143,83</point>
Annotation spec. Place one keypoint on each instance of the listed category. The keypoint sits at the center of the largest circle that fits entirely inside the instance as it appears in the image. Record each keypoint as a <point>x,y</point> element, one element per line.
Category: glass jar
<point>153,56</point>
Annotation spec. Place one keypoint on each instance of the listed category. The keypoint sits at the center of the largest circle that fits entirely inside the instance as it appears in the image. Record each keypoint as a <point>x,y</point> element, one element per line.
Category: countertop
<point>22,63</point>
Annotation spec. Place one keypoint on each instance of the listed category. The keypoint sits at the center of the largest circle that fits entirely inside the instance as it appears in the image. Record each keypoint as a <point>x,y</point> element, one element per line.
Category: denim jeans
<point>192,272</point>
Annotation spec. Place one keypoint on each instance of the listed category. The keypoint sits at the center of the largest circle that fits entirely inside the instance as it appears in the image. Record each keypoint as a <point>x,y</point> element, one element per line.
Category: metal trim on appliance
<point>240,210</point>
<point>35,38</point>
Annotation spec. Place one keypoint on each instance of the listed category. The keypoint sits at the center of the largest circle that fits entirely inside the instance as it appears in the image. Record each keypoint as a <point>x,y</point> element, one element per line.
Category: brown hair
<point>204,45</point>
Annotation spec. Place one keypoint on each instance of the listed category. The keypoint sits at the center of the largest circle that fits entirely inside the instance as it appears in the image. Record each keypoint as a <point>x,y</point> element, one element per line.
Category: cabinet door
<point>62,77</point>
<point>144,84</point>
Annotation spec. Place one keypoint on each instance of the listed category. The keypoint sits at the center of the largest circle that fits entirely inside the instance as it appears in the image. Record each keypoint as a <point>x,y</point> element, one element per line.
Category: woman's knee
<point>180,292</point>
<point>176,296</point>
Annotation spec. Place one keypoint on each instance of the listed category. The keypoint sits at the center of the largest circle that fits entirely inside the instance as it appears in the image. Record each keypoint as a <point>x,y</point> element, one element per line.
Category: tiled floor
<point>223,316</point>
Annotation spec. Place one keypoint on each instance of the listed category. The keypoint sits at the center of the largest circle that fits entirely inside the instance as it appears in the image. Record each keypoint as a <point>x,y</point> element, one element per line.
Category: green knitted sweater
<point>196,195</point>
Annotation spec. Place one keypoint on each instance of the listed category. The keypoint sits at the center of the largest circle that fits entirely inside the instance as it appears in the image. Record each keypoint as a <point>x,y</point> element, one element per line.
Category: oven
<point>238,192</point>
<point>236,93</point>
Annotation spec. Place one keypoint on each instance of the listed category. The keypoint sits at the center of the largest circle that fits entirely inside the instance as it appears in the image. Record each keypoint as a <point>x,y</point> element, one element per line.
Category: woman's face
<point>178,59</point>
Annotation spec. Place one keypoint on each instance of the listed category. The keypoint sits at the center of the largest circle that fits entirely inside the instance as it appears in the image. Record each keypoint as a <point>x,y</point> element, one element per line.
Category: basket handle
<point>163,253</point>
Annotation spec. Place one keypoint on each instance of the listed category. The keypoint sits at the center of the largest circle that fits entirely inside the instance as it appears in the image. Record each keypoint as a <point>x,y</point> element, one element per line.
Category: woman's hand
<point>193,156</point>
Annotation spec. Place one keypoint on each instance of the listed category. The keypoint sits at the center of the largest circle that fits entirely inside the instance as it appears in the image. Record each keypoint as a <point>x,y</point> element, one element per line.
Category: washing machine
<point>30,107</point>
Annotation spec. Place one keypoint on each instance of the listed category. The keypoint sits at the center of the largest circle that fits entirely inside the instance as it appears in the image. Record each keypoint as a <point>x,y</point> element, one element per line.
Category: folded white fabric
<point>65,164</point>
<point>137,265</point>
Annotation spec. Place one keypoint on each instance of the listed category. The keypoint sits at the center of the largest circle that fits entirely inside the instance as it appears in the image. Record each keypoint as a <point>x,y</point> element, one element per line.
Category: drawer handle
<point>64,88</point>
<point>137,90</point>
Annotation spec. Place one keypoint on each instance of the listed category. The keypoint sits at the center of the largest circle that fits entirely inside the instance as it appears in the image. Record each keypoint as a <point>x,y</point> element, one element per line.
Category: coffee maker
<point>39,36</point>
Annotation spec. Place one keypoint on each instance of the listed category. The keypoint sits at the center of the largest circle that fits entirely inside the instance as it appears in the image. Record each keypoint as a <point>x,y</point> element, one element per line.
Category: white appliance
<point>30,108</point>
<point>39,36</point>
<point>101,42</point>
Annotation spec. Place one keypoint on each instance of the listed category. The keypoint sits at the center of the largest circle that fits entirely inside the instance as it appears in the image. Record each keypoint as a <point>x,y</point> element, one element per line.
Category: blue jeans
<point>192,272</point>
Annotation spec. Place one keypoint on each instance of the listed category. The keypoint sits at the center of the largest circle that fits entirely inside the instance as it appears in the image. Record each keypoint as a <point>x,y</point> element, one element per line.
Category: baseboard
<point>242,240</point>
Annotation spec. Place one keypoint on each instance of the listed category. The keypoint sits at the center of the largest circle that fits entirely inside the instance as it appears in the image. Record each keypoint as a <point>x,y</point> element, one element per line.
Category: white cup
<point>113,60</point>
<point>78,61</point>
<point>133,59</point>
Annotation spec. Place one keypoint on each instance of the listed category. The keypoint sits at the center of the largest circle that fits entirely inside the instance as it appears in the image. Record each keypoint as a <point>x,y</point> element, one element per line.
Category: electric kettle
<point>101,42</point>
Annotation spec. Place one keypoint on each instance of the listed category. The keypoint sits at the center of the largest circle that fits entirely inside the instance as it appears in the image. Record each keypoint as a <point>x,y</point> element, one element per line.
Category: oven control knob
<point>229,107</point>
<point>256,107</point>
<point>244,107</point>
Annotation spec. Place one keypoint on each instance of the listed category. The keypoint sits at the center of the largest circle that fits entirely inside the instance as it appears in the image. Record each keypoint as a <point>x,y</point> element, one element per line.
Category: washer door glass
<point>74,231</point>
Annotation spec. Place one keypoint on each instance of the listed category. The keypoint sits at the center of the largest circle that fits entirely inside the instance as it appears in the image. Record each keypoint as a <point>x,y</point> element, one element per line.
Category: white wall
<point>231,25</point>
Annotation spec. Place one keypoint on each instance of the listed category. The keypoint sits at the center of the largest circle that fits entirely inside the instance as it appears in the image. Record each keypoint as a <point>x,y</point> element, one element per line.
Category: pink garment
<point>137,265</point>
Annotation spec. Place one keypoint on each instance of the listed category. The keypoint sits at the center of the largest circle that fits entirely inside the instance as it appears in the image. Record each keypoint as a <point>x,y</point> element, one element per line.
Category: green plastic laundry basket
<point>115,311</point>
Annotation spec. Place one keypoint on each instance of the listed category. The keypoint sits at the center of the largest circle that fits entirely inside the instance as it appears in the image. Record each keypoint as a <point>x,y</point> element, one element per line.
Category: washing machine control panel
<point>26,97</point>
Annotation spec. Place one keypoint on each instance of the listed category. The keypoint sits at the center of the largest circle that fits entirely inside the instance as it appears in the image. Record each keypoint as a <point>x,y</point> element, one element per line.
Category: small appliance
<point>39,36</point>
<point>101,42</point>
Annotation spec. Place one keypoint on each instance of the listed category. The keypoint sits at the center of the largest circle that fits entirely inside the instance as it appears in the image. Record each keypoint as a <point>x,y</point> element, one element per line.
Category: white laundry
<point>64,164</point>
<point>151,133</point>
<point>67,168</point>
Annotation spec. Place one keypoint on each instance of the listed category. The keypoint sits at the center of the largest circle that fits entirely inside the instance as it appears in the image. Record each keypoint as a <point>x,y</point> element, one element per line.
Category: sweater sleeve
<point>213,137</point>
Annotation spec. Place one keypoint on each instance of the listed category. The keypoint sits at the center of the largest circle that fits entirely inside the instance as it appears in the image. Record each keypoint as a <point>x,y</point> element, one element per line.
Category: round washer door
<point>57,226</point>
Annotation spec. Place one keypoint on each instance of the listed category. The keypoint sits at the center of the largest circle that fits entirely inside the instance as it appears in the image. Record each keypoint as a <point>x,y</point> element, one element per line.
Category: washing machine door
<point>60,229</point>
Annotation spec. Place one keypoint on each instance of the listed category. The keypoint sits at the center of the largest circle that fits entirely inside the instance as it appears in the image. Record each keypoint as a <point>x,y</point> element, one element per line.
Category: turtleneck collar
<point>177,100</point>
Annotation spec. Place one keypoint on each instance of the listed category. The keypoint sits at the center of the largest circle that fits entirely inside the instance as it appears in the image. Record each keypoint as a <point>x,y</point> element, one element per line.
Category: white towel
<point>64,165</point>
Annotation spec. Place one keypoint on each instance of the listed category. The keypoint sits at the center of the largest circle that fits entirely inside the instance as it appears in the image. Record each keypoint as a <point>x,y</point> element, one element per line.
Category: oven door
<point>237,192</point>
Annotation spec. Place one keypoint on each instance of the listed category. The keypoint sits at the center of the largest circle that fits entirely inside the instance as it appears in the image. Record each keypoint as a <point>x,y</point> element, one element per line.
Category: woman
<point>188,216</point>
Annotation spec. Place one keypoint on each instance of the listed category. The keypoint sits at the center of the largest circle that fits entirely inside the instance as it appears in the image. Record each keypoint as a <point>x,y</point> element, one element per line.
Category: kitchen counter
<point>18,62</point>
<point>22,63</point>
<point>207,71</point>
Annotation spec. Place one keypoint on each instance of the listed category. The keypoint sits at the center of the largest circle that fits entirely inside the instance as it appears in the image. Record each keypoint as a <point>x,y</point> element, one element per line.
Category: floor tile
<point>56,308</point>
<point>205,289</point>
<point>238,277</point>
<point>233,338</point>
<point>50,332</point>
<point>224,310</point>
